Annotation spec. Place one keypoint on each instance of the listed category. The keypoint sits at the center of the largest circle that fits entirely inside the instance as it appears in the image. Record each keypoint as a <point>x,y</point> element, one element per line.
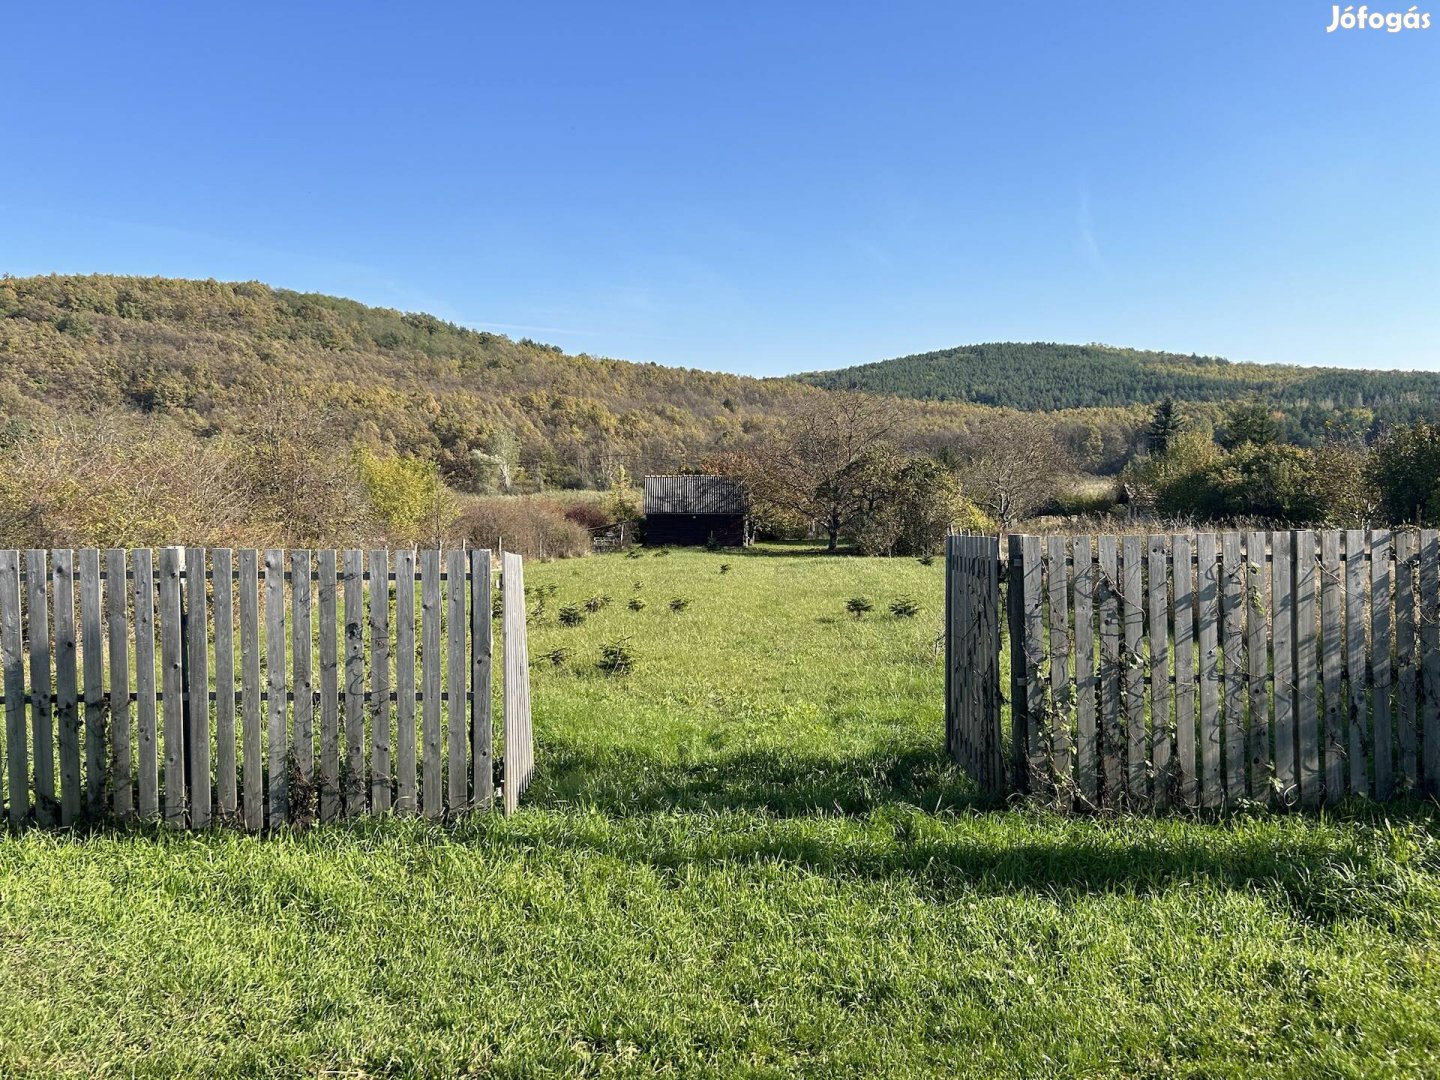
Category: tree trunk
<point>832,529</point>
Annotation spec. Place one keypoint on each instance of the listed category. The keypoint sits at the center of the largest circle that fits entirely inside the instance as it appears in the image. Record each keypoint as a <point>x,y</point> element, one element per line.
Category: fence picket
<point>252,778</point>
<point>1406,566</point>
<point>1207,583</point>
<point>481,659</point>
<point>1282,613</point>
<point>302,678</point>
<point>1111,736</point>
<point>457,715</point>
<point>1233,577</point>
<point>276,735</point>
<point>12,659</point>
<point>1132,597</point>
<point>42,713</point>
<point>172,690</point>
<point>1087,747</point>
<point>197,684</point>
<point>92,657</point>
<point>354,780</point>
<point>431,804</point>
<point>1357,667</point>
<point>1257,657</point>
<point>380,681</point>
<point>1332,663</point>
<point>1381,662</point>
<point>329,686</point>
<point>1429,617</point>
<point>1061,684</point>
<point>405,783</point>
<point>1158,582</point>
<point>147,758</point>
<point>227,795</point>
<point>1183,582</point>
<point>1307,706</point>
<point>1032,583</point>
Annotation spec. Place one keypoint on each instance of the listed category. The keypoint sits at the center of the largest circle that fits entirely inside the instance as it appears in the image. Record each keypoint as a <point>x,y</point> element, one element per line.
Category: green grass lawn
<point>745,857</point>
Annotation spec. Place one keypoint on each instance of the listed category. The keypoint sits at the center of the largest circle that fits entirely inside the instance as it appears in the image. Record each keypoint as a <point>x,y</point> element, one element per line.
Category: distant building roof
<point>693,495</point>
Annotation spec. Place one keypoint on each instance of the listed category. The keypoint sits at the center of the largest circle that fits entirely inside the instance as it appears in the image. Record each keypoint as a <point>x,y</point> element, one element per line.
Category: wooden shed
<point>696,509</point>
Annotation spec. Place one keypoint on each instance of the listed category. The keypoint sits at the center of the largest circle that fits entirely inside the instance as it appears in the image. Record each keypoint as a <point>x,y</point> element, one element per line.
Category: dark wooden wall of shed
<point>688,529</point>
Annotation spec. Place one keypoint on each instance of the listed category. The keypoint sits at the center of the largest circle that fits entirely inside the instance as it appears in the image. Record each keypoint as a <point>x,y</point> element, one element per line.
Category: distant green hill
<point>1047,376</point>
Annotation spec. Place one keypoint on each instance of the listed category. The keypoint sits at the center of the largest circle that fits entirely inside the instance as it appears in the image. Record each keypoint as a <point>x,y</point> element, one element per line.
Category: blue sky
<point>761,188</point>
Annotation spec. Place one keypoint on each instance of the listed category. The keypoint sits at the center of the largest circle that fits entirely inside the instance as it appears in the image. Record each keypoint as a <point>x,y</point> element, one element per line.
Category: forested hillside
<point>1046,376</point>
<point>218,359</point>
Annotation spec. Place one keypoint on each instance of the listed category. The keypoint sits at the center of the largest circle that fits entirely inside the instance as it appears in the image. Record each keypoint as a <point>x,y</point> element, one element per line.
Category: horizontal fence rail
<point>1210,670</point>
<point>257,688</point>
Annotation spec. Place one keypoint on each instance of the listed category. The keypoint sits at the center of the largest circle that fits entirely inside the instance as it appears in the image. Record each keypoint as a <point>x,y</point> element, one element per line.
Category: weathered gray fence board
<point>1282,608</point>
<point>1158,580</point>
<point>276,734</point>
<point>1332,663</point>
<point>92,657</point>
<point>406,801</point>
<point>42,715</point>
<point>252,766</point>
<point>1061,683</point>
<point>67,685</point>
<point>1381,662</point>
<point>147,785</point>
<point>1429,616</point>
<point>227,793</point>
<point>354,585</point>
<point>481,660</point>
<point>380,681</point>
<point>197,681</point>
<point>1207,584</point>
<point>302,677</point>
<point>1111,735</point>
<point>1307,706</point>
<point>1132,614</point>
<point>1232,614</point>
<point>1257,606</point>
<point>329,590</point>
<point>1033,614</point>
<point>172,689</point>
<point>1406,565</point>
<point>1087,747</point>
<point>431,792</point>
<point>12,660</point>
<point>1357,667</point>
<point>518,759</point>
<point>457,718</point>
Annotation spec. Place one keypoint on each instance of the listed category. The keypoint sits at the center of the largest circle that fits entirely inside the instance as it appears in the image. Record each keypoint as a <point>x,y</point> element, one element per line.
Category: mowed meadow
<point>743,854</point>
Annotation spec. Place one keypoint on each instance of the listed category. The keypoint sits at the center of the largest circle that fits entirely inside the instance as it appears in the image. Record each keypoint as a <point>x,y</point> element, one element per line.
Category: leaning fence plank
<point>481,656</point>
<point>1257,641</point>
<point>431,801</point>
<point>1282,618</point>
<point>1406,566</point>
<point>251,755</point>
<point>380,681</point>
<point>92,656</point>
<point>172,691</point>
<point>147,785</point>
<point>1158,595</point>
<point>457,718</point>
<point>1132,607</point>
<point>42,714</point>
<point>1061,684</point>
<point>302,676</point>
<point>1207,584</point>
<point>329,619</point>
<point>197,688</point>
<point>12,659</point>
<point>354,784</point>
<point>278,779</point>
<point>1307,707</point>
<point>227,794</point>
<point>1232,615</point>
<point>1357,666</point>
<point>405,794</point>
<point>1332,663</point>
<point>1430,658</point>
<point>1111,737</point>
<point>1381,661</point>
<point>1087,757</point>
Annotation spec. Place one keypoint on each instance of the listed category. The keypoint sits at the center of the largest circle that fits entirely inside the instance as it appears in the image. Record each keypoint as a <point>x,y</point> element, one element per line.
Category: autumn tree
<point>1012,464</point>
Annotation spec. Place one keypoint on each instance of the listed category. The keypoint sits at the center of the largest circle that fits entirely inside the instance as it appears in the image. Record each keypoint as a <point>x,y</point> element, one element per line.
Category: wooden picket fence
<point>1214,669</point>
<point>134,711</point>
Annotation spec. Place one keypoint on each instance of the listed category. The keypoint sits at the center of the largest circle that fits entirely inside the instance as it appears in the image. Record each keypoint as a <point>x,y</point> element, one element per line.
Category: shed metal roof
<point>693,494</point>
